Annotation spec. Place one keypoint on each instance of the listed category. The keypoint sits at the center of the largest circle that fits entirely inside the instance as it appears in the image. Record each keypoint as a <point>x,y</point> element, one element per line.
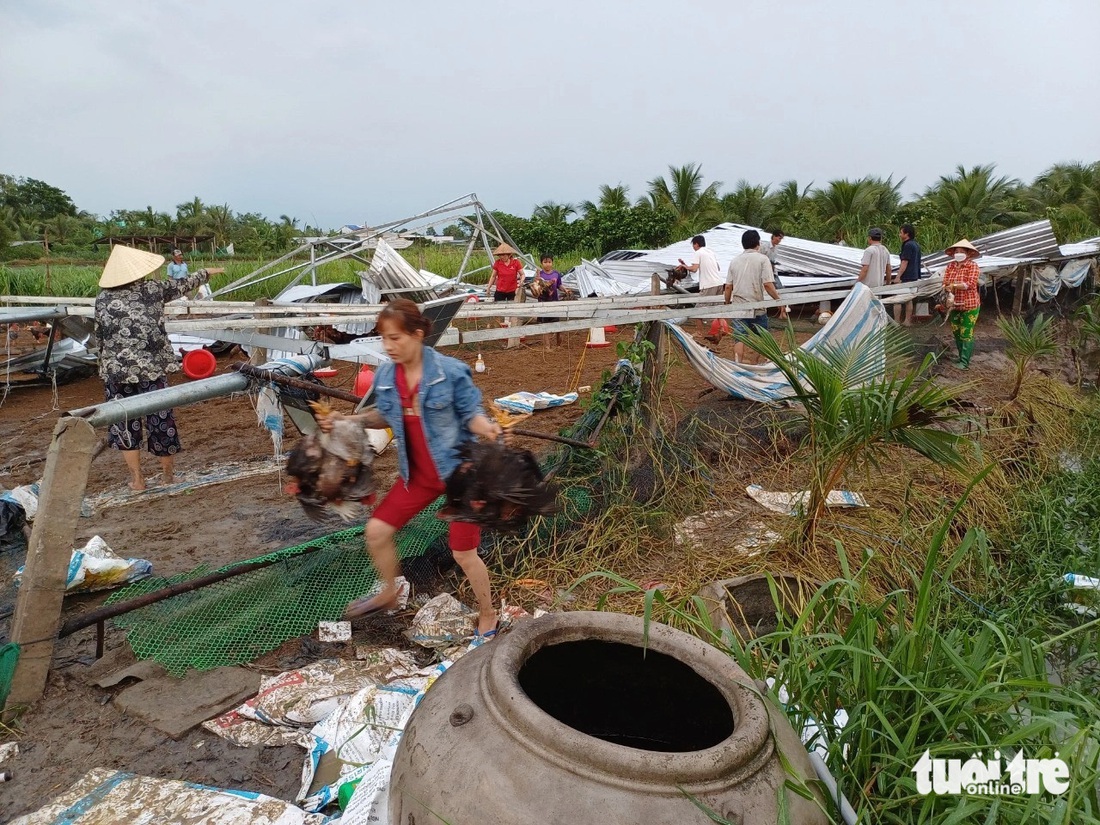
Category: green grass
<point>967,649</point>
<point>80,281</point>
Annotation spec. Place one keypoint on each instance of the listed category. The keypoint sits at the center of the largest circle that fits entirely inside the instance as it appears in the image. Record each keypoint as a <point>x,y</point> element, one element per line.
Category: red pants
<point>402,503</point>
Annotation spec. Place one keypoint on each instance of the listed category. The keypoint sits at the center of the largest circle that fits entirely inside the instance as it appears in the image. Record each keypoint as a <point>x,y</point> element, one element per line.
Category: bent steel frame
<point>360,244</point>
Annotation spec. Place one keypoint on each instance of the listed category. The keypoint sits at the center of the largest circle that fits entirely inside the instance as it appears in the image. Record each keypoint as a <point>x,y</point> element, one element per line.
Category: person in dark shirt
<point>135,355</point>
<point>908,271</point>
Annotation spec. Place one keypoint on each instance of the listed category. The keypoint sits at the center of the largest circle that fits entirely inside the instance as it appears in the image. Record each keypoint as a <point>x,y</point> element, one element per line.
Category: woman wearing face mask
<point>961,280</point>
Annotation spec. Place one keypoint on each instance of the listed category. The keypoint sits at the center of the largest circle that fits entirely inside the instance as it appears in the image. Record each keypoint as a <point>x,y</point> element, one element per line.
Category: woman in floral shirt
<point>961,280</point>
<point>135,355</point>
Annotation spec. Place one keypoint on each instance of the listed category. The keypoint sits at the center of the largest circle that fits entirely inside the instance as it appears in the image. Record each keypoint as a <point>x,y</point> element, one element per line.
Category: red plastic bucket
<point>363,380</point>
<point>199,363</point>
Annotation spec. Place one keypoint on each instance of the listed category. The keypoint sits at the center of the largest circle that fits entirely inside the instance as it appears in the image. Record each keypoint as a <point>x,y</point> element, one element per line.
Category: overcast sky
<point>363,111</point>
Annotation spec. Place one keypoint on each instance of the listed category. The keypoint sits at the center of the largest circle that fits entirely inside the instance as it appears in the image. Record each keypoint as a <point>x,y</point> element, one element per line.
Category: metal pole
<point>313,264</point>
<point>466,258</point>
<point>124,409</point>
<point>99,615</point>
<point>38,605</point>
<point>295,383</point>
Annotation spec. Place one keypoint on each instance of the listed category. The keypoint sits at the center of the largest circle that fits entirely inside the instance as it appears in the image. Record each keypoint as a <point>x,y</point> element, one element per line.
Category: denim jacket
<point>448,402</point>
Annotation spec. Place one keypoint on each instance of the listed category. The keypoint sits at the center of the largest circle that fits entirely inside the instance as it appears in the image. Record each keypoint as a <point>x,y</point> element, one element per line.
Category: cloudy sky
<point>348,112</point>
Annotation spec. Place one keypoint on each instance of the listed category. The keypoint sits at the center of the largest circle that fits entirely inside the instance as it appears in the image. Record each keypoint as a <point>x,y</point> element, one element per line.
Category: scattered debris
<point>752,538</point>
<point>358,740</point>
<point>334,631</point>
<point>109,797</point>
<point>184,483</point>
<point>95,566</point>
<point>8,750</point>
<point>792,504</point>
<point>528,402</point>
<point>289,703</point>
<point>443,623</point>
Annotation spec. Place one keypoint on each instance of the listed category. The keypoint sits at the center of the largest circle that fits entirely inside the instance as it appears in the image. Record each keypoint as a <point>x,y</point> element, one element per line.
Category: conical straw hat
<point>504,249</point>
<point>127,265</point>
<point>964,244</point>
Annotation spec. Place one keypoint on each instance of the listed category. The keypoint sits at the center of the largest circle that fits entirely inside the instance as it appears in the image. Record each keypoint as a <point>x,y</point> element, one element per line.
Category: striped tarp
<point>861,314</point>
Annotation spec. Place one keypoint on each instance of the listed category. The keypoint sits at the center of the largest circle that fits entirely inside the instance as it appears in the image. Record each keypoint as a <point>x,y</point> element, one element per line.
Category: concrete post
<point>38,605</point>
<point>651,376</point>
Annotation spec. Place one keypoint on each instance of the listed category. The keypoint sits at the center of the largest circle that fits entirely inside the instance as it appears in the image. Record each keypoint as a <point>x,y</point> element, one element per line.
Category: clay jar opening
<point>627,696</point>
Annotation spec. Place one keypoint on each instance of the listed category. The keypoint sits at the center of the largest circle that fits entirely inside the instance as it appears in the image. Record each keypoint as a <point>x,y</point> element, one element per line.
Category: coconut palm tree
<point>973,202</point>
<point>611,197</point>
<point>846,208</point>
<point>552,212</point>
<point>192,216</point>
<point>856,404</point>
<point>221,221</point>
<point>746,204</point>
<point>1068,193</point>
<point>695,206</point>
<point>791,206</point>
<point>61,228</point>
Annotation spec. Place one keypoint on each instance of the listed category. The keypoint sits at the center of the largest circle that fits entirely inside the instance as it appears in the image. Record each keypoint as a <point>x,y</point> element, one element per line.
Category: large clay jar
<point>576,718</point>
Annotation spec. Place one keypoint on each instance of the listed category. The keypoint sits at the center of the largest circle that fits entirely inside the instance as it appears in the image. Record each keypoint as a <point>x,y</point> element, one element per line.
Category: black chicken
<point>497,486</point>
<point>332,470</point>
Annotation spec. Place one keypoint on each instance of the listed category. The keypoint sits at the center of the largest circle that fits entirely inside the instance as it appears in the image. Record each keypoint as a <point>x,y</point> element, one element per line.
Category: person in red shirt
<point>961,280</point>
<point>431,404</point>
<point>507,269</point>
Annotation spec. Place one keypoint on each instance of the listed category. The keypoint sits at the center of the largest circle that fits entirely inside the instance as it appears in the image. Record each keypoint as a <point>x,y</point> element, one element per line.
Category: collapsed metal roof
<point>1028,242</point>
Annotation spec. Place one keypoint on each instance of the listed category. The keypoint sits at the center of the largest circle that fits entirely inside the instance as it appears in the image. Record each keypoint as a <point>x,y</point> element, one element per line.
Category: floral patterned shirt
<point>129,323</point>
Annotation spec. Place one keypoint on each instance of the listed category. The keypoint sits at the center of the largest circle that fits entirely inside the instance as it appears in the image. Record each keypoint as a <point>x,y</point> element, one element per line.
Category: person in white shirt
<point>875,269</point>
<point>750,277</point>
<point>710,281</point>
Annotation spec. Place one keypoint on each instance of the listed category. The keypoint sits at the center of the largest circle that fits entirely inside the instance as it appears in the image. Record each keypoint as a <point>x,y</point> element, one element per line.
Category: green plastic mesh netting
<point>240,619</point>
<point>9,655</point>
<point>244,617</point>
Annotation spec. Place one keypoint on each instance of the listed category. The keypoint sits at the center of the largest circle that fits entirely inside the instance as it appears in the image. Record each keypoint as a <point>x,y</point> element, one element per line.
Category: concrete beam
<point>38,605</point>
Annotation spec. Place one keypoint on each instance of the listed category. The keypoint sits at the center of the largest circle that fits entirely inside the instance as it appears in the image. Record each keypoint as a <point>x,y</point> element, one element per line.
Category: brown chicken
<point>498,487</point>
<point>332,470</point>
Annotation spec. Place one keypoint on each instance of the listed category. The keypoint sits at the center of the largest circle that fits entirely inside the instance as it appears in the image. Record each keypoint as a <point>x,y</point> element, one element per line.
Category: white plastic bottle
<point>1082,582</point>
<point>479,365</point>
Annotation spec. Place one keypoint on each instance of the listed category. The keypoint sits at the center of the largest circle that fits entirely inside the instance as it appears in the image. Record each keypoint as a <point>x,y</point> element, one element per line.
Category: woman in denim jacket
<point>431,404</point>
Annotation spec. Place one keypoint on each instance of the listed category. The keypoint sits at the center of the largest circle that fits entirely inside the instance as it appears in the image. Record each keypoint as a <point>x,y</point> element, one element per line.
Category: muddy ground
<point>76,726</point>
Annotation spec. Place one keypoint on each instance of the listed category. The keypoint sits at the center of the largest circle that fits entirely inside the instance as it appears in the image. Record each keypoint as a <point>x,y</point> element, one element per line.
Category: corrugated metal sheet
<point>1033,241</point>
<point>795,256</point>
<point>342,293</point>
<point>1081,249</point>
